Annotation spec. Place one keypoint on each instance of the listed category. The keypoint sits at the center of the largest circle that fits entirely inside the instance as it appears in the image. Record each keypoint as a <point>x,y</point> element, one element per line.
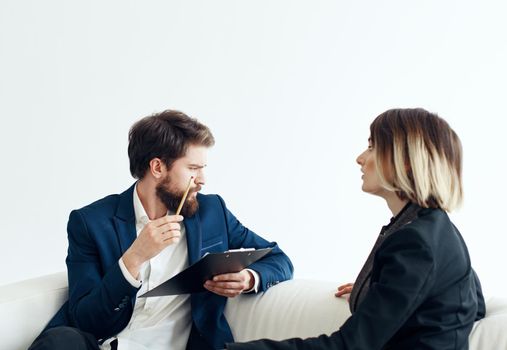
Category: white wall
<point>289,89</point>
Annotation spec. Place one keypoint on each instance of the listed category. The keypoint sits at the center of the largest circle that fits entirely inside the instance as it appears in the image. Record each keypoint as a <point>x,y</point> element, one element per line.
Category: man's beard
<point>172,198</point>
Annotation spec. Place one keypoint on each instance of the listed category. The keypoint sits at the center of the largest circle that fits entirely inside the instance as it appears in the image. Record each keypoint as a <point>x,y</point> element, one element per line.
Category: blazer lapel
<point>125,219</point>
<point>193,232</point>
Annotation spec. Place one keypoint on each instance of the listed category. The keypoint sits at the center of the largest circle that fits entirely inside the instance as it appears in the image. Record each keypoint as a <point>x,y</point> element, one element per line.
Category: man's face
<point>171,188</point>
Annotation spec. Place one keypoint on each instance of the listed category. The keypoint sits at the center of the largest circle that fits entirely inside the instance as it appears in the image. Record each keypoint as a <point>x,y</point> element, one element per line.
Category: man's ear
<point>157,168</point>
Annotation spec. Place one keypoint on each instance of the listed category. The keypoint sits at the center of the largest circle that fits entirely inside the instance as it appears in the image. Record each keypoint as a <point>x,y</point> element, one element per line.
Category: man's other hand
<point>231,284</point>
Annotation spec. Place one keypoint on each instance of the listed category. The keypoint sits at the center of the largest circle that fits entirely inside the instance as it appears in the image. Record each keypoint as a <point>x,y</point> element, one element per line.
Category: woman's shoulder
<point>434,222</point>
<point>430,217</point>
<point>432,227</point>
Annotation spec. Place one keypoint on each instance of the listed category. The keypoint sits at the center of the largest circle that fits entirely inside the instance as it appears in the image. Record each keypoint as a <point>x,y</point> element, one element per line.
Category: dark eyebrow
<point>197,165</point>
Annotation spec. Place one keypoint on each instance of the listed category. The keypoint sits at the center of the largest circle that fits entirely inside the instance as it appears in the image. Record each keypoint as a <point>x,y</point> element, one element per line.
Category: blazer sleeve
<point>274,267</point>
<point>481,305</point>
<point>406,267</point>
<point>100,302</point>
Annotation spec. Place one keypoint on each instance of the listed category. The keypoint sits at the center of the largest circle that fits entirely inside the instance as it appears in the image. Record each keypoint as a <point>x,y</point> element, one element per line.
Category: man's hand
<point>344,289</point>
<point>155,236</point>
<point>231,284</point>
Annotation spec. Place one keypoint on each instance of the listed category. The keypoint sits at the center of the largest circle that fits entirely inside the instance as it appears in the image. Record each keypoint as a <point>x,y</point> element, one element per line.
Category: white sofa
<point>297,308</point>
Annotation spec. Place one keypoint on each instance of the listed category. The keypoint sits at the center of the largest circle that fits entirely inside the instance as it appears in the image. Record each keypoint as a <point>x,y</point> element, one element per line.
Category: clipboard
<point>191,279</point>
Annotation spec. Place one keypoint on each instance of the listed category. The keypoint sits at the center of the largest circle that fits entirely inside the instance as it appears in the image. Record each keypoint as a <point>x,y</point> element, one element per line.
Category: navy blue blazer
<point>423,294</point>
<point>101,300</point>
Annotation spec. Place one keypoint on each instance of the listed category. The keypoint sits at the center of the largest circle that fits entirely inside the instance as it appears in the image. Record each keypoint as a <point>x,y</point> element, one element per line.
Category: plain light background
<point>288,88</point>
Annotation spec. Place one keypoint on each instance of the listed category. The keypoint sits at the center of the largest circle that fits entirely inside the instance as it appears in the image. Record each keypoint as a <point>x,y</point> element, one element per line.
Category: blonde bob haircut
<point>419,157</point>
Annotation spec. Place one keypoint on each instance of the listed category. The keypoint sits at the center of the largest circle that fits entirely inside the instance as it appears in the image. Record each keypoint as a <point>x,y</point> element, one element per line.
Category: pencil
<point>184,196</point>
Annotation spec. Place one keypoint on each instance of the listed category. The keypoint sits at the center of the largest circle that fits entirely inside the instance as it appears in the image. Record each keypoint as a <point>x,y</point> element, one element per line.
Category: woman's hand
<point>345,289</point>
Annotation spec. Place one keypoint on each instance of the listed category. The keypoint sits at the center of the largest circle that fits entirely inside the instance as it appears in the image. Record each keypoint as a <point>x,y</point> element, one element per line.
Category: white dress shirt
<point>157,322</point>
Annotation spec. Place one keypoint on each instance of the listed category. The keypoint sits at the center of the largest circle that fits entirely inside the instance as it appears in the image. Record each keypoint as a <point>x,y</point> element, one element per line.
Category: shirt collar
<point>141,216</point>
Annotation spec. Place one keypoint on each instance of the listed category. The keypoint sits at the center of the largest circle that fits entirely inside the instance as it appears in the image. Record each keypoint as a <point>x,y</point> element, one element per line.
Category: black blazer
<point>423,294</point>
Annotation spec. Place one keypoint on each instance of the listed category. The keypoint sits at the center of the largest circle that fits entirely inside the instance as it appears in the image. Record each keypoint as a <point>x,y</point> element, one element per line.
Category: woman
<point>417,289</point>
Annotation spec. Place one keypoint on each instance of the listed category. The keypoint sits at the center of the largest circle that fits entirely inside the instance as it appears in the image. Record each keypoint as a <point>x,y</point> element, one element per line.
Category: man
<point>123,245</point>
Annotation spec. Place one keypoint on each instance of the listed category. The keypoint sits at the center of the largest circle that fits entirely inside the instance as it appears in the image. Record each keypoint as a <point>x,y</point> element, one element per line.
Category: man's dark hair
<point>164,135</point>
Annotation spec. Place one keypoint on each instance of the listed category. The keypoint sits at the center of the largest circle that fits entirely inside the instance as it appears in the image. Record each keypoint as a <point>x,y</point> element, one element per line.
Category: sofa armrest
<point>27,306</point>
<point>295,308</point>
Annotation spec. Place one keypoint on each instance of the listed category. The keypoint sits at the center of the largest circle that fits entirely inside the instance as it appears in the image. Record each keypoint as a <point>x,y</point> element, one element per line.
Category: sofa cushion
<point>296,308</point>
<point>491,331</point>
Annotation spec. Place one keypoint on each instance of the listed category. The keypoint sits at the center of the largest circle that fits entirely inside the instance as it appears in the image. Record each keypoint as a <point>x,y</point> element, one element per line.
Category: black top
<point>423,294</point>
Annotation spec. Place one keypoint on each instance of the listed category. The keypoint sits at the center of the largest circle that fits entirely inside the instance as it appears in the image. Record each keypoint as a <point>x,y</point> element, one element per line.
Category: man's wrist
<point>131,263</point>
<point>254,281</point>
<point>134,282</point>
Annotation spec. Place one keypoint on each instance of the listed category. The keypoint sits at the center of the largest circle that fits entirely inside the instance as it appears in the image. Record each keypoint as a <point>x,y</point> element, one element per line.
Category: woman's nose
<point>360,159</point>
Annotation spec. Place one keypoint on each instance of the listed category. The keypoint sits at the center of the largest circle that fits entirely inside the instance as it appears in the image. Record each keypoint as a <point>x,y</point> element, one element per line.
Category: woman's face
<point>371,180</point>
